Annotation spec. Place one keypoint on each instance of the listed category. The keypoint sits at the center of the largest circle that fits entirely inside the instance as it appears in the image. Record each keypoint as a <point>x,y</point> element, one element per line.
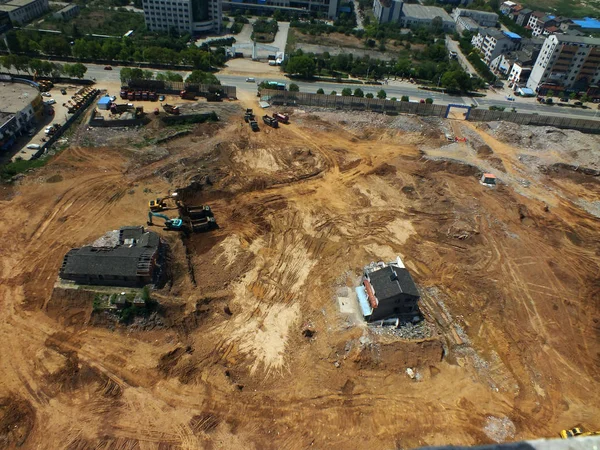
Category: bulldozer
<point>160,204</point>
<point>577,432</point>
<point>170,224</point>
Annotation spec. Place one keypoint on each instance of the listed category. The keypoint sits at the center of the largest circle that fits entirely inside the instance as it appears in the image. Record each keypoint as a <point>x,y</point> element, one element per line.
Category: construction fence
<point>56,136</point>
<point>286,98</point>
<point>175,87</point>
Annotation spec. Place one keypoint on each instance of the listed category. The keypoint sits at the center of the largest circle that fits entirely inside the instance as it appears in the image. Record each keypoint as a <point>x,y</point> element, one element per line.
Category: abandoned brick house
<point>129,257</point>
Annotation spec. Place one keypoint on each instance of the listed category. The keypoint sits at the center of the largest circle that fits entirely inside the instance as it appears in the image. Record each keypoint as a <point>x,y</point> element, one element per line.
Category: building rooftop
<point>461,11</point>
<point>8,8</point>
<point>136,247</point>
<point>577,39</point>
<point>512,35</point>
<point>16,96</point>
<point>525,11</point>
<point>391,281</point>
<point>425,12</point>
<point>20,3</point>
<point>588,23</point>
<point>67,8</point>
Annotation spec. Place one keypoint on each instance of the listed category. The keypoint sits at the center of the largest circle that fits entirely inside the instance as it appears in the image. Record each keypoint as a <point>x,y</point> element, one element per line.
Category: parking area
<point>56,113</point>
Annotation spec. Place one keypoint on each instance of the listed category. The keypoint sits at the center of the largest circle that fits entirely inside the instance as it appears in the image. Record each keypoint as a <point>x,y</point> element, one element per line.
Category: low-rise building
<point>507,7</point>
<point>24,11</point>
<point>483,18</point>
<point>387,291</point>
<point>386,11</point>
<point>568,63</point>
<point>67,13</point>
<point>467,24</point>
<point>410,15</point>
<point>129,257</point>
<point>522,17</point>
<point>586,24</point>
<point>21,107</point>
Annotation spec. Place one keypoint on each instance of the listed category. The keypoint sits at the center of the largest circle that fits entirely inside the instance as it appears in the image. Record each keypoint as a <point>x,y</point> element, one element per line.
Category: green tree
<point>200,77</point>
<point>346,92</point>
<point>394,99</point>
<point>76,70</point>
<point>573,96</point>
<point>585,98</point>
<point>404,98</point>
<point>294,87</point>
<point>333,93</point>
<point>302,65</point>
<point>550,93</point>
<point>381,94</point>
<point>320,91</point>
<point>358,92</point>
<point>429,100</point>
<point>369,95</point>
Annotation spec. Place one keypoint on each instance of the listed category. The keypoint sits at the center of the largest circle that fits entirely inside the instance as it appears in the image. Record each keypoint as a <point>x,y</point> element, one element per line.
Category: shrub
<point>294,87</point>
<point>404,98</point>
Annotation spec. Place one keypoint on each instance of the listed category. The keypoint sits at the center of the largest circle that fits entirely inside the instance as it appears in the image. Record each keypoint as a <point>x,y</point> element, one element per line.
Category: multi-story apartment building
<point>483,18</point>
<point>186,16</point>
<point>566,63</point>
<point>522,17</point>
<point>493,43</point>
<point>23,11</point>
<point>538,21</point>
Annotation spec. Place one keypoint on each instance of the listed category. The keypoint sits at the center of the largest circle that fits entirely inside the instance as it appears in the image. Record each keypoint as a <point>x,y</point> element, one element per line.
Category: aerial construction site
<point>255,339</point>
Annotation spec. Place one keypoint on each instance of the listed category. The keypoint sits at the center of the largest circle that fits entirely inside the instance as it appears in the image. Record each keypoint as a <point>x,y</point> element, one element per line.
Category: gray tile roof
<point>425,12</point>
<point>391,281</point>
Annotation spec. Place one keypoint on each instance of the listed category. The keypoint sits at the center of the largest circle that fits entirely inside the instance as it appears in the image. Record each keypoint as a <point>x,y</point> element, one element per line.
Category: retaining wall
<point>174,87</point>
<point>286,98</point>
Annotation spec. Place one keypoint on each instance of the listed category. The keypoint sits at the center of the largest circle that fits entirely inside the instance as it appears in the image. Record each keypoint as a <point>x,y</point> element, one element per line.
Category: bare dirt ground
<point>509,278</point>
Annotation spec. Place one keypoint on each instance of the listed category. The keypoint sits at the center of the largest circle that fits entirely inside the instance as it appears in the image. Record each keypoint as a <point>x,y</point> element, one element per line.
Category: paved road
<point>453,46</point>
<point>394,89</point>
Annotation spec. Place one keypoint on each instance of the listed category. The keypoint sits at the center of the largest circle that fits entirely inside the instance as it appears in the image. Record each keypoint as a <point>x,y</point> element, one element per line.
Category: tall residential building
<point>23,11</point>
<point>186,16</point>
<point>567,63</point>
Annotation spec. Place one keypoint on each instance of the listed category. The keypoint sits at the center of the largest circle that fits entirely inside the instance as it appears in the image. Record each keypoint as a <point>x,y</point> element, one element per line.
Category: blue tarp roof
<point>527,91</point>
<point>512,35</point>
<point>345,9</point>
<point>587,22</point>
<point>363,301</point>
<point>104,101</point>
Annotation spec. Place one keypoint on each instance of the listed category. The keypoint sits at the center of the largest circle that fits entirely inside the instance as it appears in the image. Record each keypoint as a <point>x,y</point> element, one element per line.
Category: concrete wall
<point>286,98</point>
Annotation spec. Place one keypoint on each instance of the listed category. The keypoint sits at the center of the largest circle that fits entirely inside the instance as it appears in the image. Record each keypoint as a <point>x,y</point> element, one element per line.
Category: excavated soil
<point>249,349</point>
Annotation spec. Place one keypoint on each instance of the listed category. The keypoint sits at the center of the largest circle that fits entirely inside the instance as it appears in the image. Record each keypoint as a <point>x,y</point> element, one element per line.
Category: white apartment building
<point>186,16</point>
<point>567,62</point>
<point>538,21</point>
<point>23,11</point>
<point>483,18</point>
<point>493,43</point>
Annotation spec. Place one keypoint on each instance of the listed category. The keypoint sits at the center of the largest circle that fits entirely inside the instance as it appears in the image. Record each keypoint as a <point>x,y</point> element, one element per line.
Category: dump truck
<point>271,121</point>
<point>170,109</point>
<point>202,224</point>
<point>254,125</point>
<point>196,212</point>
<point>124,92</point>
<point>187,95</point>
<point>283,118</point>
<point>152,96</point>
<point>248,117</point>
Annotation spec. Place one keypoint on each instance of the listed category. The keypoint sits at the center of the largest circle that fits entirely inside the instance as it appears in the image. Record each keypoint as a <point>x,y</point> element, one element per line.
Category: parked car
<point>250,80</point>
<point>63,92</point>
<point>50,102</point>
<point>107,68</point>
<point>564,99</point>
<point>161,98</point>
<point>541,99</point>
<point>48,130</point>
<point>46,94</point>
<point>510,98</point>
<point>578,104</point>
<point>34,146</point>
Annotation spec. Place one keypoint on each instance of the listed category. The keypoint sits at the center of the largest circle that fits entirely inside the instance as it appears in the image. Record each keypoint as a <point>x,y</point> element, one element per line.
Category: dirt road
<point>509,278</point>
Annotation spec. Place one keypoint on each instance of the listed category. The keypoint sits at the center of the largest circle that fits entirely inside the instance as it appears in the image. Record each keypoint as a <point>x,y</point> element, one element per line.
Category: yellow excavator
<point>577,432</point>
<point>160,204</point>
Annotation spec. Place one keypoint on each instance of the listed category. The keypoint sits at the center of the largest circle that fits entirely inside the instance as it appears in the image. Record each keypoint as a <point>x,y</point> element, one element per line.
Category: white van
<point>34,146</point>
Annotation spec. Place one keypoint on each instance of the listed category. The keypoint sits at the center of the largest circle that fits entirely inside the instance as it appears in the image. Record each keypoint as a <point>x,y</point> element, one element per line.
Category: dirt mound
<point>453,167</point>
<point>17,419</point>
<point>383,170</point>
<point>398,355</point>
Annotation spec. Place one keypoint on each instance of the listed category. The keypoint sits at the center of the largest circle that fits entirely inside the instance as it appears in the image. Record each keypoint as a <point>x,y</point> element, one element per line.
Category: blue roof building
<point>587,23</point>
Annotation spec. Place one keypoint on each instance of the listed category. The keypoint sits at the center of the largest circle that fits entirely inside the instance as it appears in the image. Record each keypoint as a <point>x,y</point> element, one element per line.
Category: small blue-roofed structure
<point>526,92</point>
<point>587,23</point>
<point>363,301</point>
<point>512,35</point>
<point>104,103</point>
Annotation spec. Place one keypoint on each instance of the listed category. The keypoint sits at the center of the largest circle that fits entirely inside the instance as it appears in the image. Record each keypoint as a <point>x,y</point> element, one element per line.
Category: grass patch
<point>292,41</point>
<point>567,8</point>
<point>14,168</point>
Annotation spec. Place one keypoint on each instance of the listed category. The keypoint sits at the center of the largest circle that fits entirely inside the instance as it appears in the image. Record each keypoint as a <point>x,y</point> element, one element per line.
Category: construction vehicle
<point>171,109</point>
<point>249,111</point>
<point>170,224</point>
<point>160,204</point>
<point>283,118</point>
<point>248,117</point>
<point>271,121</point>
<point>187,95</point>
<point>577,432</point>
<point>254,125</point>
<point>198,218</point>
